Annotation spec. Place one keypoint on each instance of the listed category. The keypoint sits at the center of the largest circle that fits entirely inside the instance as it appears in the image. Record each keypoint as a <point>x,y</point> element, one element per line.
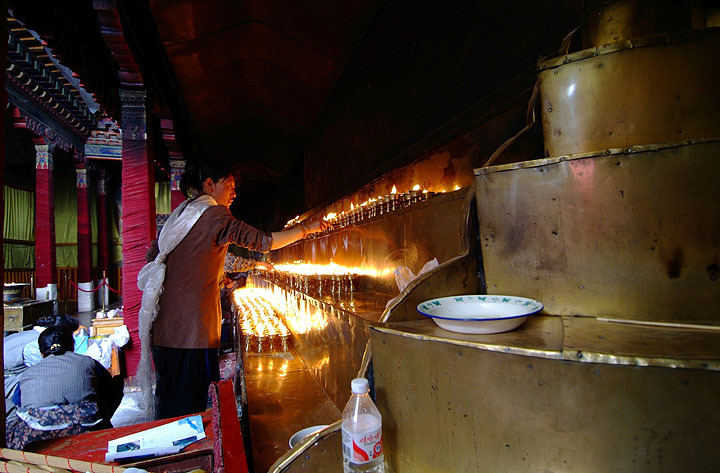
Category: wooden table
<point>24,312</point>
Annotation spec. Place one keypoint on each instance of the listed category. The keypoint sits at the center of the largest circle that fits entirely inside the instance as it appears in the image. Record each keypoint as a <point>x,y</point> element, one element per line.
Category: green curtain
<point>65,220</point>
<point>17,256</point>
<point>19,224</point>
<point>162,198</point>
<point>20,214</point>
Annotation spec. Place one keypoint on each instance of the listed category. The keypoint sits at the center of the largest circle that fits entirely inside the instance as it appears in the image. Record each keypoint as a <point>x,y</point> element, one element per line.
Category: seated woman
<point>64,394</point>
<point>21,351</point>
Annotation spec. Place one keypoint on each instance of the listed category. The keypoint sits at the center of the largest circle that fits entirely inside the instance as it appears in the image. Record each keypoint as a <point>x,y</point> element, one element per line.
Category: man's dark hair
<point>196,173</point>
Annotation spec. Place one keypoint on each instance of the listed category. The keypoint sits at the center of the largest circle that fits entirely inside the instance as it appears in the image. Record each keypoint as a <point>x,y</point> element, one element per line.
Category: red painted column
<point>177,167</point>
<point>86,300</point>
<point>45,263</point>
<point>3,106</point>
<point>102,241</point>
<point>138,213</point>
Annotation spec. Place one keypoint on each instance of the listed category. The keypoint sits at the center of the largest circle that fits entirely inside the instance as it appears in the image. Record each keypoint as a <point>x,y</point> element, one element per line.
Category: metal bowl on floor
<point>301,434</point>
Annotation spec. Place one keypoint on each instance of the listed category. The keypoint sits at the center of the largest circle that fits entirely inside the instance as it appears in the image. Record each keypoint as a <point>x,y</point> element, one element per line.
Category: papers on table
<point>163,440</point>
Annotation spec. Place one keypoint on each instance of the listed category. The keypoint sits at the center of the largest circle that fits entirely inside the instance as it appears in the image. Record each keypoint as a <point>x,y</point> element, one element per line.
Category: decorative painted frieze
<point>43,157</point>
<point>81,178</point>
<point>177,167</point>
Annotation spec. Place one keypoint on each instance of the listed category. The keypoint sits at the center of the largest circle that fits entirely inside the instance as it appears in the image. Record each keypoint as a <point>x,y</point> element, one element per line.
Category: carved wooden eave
<point>51,107</point>
<point>105,142</point>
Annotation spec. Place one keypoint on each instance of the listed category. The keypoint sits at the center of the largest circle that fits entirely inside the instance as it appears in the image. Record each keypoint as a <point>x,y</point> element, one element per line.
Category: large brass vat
<point>530,401</point>
<point>630,234</point>
<point>609,21</point>
<point>634,92</point>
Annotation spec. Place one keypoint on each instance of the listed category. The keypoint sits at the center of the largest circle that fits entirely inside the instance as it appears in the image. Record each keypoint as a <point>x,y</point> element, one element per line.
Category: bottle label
<point>362,447</point>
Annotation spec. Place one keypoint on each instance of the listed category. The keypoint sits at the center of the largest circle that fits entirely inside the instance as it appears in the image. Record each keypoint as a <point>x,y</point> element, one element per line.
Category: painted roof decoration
<point>38,86</point>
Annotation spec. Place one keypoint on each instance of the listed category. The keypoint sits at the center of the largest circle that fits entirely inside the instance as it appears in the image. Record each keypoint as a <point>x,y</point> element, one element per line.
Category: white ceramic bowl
<point>478,313</point>
<point>301,434</point>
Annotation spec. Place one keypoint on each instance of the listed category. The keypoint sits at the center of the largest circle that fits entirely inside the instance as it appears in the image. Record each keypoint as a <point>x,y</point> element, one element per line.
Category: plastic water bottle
<point>362,432</point>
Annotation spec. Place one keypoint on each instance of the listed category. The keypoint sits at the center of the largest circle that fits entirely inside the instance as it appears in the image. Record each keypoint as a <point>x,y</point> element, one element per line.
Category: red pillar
<point>3,106</point>
<point>86,300</point>
<point>138,212</point>
<point>45,263</point>
<point>177,167</point>
<point>102,240</point>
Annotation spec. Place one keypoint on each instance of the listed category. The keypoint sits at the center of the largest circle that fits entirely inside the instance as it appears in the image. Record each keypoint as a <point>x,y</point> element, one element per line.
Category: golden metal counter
<point>290,381</point>
<point>559,394</point>
<point>283,398</point>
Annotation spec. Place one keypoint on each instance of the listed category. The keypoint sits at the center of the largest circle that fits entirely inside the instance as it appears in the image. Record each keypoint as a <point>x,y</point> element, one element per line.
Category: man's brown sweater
<point>189,315</point>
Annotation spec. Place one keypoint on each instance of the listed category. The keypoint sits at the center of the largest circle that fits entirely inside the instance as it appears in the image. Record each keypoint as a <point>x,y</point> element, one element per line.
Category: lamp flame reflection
<point>257,315</point>
<point>261,309</point>
<point>331,269</point>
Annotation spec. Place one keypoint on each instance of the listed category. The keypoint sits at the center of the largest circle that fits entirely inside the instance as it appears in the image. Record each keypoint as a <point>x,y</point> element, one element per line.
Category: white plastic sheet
<point>404,276</point>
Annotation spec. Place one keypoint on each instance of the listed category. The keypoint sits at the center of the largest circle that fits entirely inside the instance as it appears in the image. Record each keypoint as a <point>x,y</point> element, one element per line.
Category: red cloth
<point>45,263</point>
<point>138,230</point>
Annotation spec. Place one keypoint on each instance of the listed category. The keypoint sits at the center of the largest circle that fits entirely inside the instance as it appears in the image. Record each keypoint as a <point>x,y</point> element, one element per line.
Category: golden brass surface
<point>410,236</point>
<point>331,347</point>
<point>330,330</point>
<point>442,171</point>
<point>320,452</point>
<point>637,92</point>
<point>630,236</point>
<point>610,21</point>
<point>283,398</point>
<point>450,406</point>
<point>585,340</point>
<point>590,340</point>
<point>540,336</point>
<point>534,163</point>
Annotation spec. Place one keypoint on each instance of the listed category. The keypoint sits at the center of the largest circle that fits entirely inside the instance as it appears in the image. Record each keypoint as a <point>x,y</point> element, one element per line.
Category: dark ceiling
<point>254,75</point>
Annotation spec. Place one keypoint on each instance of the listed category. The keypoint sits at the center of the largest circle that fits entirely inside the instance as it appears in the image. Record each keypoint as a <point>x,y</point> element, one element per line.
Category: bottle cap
<point>359,386</point>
